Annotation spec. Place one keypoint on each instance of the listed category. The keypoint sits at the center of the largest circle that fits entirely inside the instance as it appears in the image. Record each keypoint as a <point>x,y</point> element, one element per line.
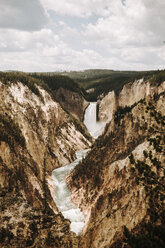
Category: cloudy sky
<point>53,35</point>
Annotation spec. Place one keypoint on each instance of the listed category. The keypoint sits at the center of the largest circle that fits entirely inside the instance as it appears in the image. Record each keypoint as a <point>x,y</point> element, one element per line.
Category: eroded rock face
<point>71,101</point>
<point>46,127</point>
<point>25,226</point>
<point>130,94</point>
<point>37,136</point>
<point>107,106</point>
<point>119,184</point>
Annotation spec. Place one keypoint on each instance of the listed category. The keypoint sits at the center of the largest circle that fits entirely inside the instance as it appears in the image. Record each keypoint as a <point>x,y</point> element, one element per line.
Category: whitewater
<point>62,195</point>
<point>95,128</point>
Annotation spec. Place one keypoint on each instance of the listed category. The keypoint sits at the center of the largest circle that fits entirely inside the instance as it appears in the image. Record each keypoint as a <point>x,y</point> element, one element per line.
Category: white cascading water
<point>95,128</point>
<point>62,196</point>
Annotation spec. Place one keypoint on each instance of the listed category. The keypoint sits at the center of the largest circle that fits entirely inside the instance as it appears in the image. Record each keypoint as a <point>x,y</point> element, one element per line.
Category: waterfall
<point>62,196</point>
<point>95,128</point>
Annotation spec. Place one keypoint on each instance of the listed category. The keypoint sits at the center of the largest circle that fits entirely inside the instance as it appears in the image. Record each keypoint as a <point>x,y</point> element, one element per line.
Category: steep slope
<point>71,101</point>
<point>120,184</point>
<point>36,136</point>
<point>129,95</point>
<point>99,82</point>
<point>66,92</point>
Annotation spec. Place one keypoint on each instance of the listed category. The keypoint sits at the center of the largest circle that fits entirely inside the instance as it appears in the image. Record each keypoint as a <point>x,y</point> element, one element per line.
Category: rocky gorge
<point>37,136</point>
<point>119,185</point>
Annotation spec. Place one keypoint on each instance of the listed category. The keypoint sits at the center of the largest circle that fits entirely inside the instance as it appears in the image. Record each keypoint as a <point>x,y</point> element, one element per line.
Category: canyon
<point>118,186</point>
<point>37,136</point>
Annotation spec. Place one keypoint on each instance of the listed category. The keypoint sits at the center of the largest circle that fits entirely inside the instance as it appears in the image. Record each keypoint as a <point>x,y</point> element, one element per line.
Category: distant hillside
<point>13,77</point>
<point>49,82</point>
<point>90,84</point>
<point>55,81</point>
<point>103,81</point>
<point>88,75</point>
<point>99,80</point>
<point>66,92</point>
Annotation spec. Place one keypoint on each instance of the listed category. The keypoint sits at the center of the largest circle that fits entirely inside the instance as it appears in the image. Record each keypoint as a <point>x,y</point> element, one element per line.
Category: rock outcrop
<point>129,95</point>
<point>47,129</point>
<point>36,136</point>
<point>107,107</point>
<point>119,186</point>
<point>25,226</point>
<point>71,101</point>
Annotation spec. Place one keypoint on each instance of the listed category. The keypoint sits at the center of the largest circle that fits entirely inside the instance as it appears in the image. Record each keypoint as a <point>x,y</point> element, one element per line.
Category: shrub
<point>8,78</point>
<point>10,131</point>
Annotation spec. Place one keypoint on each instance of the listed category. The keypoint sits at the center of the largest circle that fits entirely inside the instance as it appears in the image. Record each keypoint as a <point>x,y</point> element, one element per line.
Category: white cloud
<point>25,15</point>
<point>123,36</point>
<point>41,43</point>
<point>137,23</point>
<point>81,8</point>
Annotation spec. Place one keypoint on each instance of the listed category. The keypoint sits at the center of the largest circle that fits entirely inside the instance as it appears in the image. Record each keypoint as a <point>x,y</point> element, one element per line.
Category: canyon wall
<point>36,136</point>
<point>130,94</point>
<point>71,101</point>
<point>119,185</point>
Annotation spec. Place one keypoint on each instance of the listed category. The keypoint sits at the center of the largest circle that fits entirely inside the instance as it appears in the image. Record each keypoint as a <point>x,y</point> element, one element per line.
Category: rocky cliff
<point>130,94</point>
<point>36,136</point>
<point>71,101</point>
<point>120,184</point>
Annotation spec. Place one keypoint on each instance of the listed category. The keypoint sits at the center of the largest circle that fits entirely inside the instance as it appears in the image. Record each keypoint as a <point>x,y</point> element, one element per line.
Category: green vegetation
<point>44,184</point>
<point>5,235</point>
<point>118,79</point>
<point>80,76</point>
<point>156,139</point>
<point>88,75</point>
<point>10,131</point>
<point>150,236</point>
<point>122,111</point>
<point>158,77</point>
<point>103,140</point>
<point>150,172</point>
<point>115,82</point>
<point>79,126</point>
<point>14,77</point>
<point>54,82</point>
<point>103,81</point>
<point>86,172</point>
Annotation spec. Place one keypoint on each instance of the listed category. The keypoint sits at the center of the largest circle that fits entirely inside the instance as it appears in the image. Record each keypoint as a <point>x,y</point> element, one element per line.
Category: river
<point>62,196</point>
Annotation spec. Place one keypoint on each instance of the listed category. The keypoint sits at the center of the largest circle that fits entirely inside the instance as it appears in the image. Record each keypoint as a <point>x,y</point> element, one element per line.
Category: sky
<point>58,35</point>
